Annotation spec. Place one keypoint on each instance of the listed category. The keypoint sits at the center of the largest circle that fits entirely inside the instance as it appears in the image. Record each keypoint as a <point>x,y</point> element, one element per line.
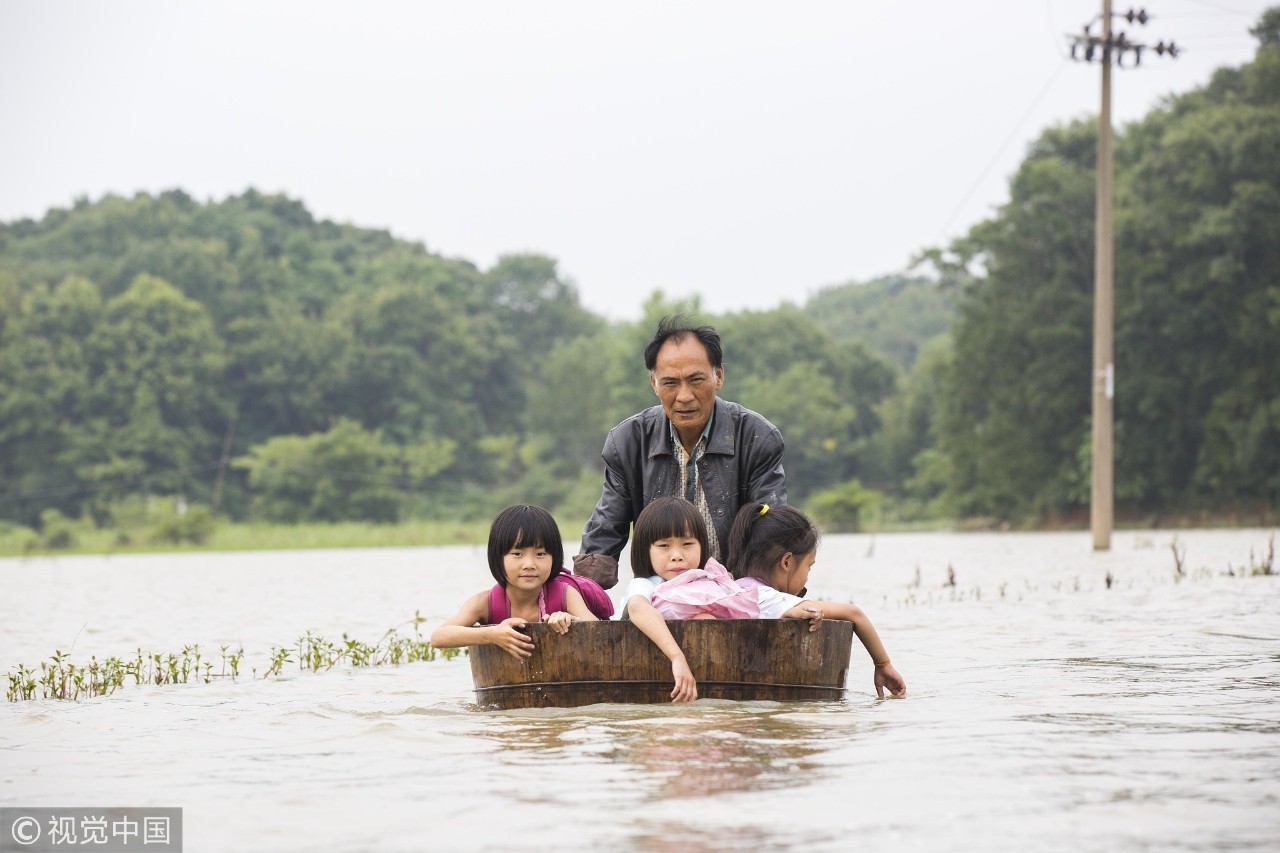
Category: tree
<point>345,473</point>
<point>1015,400</point>
<point>895,315</point>
<point>44,385</point>
<point>155,404</point>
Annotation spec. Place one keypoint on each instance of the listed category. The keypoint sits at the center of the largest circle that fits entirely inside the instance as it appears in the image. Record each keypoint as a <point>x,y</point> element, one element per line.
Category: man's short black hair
<point>676,327</point>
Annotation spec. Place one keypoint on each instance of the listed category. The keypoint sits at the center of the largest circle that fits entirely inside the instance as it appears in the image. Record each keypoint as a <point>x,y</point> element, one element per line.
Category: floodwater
<point>1045,711</point>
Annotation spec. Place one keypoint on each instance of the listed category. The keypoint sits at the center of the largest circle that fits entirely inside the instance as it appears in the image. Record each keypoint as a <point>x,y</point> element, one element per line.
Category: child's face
<point>527,567</point>
<point>794,571</point>
<point>674,555</point>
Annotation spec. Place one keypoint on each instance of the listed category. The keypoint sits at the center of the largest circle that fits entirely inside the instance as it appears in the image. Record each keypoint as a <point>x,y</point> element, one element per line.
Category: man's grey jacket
<point>742,463</point>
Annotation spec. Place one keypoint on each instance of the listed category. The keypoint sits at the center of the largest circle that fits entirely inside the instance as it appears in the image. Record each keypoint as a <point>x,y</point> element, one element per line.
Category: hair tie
<point>764,508</point>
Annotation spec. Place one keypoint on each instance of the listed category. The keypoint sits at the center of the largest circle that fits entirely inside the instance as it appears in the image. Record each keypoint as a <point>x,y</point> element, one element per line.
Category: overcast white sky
<point>751,153</point>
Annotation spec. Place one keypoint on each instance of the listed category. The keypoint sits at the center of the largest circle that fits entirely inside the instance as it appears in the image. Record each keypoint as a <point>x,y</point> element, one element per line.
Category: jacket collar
<point>719,440</point>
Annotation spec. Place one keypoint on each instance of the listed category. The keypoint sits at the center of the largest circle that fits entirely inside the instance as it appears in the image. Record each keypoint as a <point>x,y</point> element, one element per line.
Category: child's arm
<point>650,621</point>
<point>461,630</point>
<point>885,674</point>
<point>575,608</point>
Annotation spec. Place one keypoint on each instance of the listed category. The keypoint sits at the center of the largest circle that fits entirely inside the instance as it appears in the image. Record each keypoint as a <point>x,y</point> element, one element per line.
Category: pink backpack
<point>553,597</point>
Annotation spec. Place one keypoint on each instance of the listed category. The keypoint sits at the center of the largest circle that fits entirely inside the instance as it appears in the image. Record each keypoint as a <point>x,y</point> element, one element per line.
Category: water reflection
<point>722,753</point>
<point>703,750</point>
<point>669,774</point>
<point>655,838</point>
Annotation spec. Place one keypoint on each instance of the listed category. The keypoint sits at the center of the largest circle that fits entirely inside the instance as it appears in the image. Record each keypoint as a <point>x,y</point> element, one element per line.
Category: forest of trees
<point>357,376</point>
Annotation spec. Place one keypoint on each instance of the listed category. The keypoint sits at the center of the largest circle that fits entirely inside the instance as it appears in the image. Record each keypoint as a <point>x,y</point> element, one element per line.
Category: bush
<point>57,531</point>
<point>848,508</point>
<point>195,525</point>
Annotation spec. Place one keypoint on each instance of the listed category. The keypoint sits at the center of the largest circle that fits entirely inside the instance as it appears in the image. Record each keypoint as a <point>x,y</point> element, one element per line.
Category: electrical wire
<point>1017,128</point>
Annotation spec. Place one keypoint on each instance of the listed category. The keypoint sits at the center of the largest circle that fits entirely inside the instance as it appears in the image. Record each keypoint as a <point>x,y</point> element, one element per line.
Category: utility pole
<point>1107,47</point>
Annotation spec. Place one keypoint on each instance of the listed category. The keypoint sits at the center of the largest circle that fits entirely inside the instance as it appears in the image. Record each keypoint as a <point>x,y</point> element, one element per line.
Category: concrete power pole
<point>1107,48</point>
<point>1101,503</point>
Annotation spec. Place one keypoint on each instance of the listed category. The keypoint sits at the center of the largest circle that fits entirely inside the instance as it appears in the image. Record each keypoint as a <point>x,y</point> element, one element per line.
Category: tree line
<point>243,356</point>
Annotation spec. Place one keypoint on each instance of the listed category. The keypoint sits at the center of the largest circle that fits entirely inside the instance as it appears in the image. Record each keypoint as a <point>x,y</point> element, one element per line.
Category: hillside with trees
<point>897,315</point>
<point>245,359</point>
<point>1197,329</point>
<point>350,374</point>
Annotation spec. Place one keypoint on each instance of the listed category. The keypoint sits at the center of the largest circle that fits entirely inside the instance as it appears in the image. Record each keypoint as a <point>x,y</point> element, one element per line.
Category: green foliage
<point>347,472</point>
<point>576,394</point>
<point>847,508</point>
<point>59,678</point>
<point>195,525</point>
<point>1197,328</point>
<point>57,532</point>
<point>821,393</point>
<point>815,421</point>
<point>1018,391</point>
<point>896,314</point>
<point>908,421</point>
<point>1197,325</point>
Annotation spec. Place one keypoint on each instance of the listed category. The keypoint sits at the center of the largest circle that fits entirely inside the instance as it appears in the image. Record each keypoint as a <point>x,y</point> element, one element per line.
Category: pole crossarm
<point>1110,46</point>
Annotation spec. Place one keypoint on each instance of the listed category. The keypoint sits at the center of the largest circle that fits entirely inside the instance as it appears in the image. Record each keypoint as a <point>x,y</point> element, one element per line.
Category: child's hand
<point>887,676</point>
<point>686,685</point>
<point>805,610</point>
<point>560,622</point>
<point>507,636</point>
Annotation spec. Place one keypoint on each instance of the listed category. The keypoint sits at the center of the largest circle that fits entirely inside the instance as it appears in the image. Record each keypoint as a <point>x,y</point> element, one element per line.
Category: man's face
<point>686,383</point>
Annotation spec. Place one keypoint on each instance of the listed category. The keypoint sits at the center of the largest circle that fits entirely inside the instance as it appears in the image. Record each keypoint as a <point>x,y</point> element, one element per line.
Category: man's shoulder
<point>644,433</point>
<point>738,414</point>
<point>640,422</point>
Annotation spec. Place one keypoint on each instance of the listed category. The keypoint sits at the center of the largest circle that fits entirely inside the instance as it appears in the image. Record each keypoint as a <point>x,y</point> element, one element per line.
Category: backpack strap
<point>593,595</point>
<point>498,608</point>
<point>557,596</point>
<point>554,597</point>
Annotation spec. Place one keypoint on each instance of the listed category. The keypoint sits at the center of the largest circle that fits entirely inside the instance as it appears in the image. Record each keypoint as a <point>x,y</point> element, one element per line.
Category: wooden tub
<point>776,659</point>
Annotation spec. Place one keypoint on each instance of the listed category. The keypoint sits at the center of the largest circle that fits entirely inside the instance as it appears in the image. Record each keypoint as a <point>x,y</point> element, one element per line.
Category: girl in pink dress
<point>526,557</point>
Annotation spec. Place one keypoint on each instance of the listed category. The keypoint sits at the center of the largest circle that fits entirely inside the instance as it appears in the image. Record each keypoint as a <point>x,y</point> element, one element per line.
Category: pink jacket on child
<point>706,592</point>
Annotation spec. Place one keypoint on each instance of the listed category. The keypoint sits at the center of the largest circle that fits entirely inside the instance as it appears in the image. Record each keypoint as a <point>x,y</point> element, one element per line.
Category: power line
<point>995,158</point>
<point>1220,8</point>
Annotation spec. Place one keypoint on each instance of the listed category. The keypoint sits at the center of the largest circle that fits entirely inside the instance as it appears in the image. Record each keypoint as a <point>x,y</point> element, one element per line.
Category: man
<point>716,454</point>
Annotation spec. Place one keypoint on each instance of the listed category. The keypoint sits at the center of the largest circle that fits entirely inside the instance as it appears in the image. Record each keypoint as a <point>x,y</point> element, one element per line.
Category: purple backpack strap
<point>555,594</point>
<point>498,609</point>
<point>593,595</point>
<point>555,597</point>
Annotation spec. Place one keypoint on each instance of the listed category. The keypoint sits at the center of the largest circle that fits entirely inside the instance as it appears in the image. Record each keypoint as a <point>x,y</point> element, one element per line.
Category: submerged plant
<point>58,678</point>
<point>1267,564</point>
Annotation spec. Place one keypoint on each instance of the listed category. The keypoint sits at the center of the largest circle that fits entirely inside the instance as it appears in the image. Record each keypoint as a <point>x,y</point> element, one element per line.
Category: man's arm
<point>763,479</point>
<point>607,529</point>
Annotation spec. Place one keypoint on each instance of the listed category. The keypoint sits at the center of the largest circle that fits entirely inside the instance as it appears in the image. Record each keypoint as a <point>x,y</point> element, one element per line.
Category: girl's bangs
<point>537,541</point>
<point>678,527</point>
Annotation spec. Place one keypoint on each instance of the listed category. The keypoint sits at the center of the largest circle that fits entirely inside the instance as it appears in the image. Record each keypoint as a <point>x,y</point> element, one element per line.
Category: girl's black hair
<point>523,526</point>
<point>663,519</point>
<point>758,541</point>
